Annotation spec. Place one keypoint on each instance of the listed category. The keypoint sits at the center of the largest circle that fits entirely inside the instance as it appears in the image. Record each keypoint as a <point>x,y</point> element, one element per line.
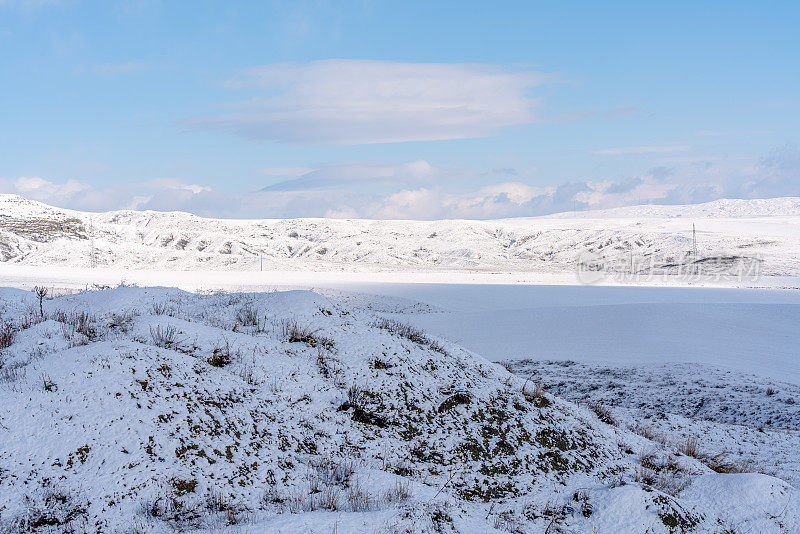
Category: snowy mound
<point>147,410</point>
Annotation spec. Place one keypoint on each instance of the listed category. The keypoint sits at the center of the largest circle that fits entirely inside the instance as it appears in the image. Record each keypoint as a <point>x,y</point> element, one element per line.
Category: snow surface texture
<point>732,236</point>
<point>145,410</point>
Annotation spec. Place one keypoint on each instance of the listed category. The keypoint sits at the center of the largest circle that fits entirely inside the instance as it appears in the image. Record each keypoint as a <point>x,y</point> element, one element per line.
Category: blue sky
<point>397,109</point>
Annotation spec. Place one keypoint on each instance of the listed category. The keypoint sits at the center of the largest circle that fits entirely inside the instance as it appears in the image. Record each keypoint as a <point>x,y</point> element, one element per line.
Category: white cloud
<point>159,194</point>
<point>508,199</point>
<point>175,184</point>
<point>516,192</point>
<point>417,190</point>
<point>354,174</point>
<point>608,194</point>
<point>40,189</point>
<point>362,101</point>
<point>640,150</point>
<point>341,213</point>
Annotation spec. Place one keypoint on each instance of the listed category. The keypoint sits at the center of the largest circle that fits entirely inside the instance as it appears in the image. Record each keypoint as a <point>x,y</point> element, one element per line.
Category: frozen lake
<point>755,331</point>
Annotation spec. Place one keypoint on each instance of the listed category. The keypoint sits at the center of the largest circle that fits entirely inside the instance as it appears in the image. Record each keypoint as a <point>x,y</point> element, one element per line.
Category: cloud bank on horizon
<point>372,110</point>
<point>337,190</point>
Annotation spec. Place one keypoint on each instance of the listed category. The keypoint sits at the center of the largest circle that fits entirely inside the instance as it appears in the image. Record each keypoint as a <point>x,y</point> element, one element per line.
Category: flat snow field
<point>752,331</point>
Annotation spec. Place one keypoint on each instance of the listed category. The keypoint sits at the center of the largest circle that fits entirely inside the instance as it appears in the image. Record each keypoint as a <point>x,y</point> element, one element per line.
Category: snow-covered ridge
<point>723,208</point>
<point>32,233</point>
<point>155,410</point>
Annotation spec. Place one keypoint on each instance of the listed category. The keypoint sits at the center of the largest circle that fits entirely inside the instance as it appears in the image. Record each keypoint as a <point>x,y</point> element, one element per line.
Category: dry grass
<point>7,335</point>
<point>29,320</point>
<point>221,356</point>
<point>721,464</point>
<point>410,333</point>
<point>159,308</point>
<point>535,394</point>
<point>48,384</point>
<point>691,447</point>
<point>716,462</point>
<point>51,510</point>
<point>294,332</point>
<point>217,501</point>
<point>326,472</point>
<point>603,413</point>
<point>247,315</point>
<point>508,522</point>
<point>358,499</point>
<point>399,493</point>
<point>12,372</point>
<point>507,366</point>
<point>332,486</point>
<point>163,336</point>
<point>79,328</point>
<point>323,362</point>
<point>647,432</point>
<point>122,321</point>
<point>662,473</point>
<point>246,374</point>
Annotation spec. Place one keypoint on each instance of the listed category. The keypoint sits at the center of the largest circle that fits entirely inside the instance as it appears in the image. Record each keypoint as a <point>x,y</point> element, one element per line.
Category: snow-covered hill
<point>149,410</point>
<point>725,208</point>
<point>766,232</point>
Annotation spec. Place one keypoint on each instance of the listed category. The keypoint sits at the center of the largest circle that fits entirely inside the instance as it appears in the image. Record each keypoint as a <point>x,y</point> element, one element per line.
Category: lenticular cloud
<point>359,102</point>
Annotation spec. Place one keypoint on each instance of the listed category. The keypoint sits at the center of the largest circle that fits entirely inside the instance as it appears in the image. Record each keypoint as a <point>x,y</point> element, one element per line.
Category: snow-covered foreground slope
<point>731,235</point>
<point>145,410</point>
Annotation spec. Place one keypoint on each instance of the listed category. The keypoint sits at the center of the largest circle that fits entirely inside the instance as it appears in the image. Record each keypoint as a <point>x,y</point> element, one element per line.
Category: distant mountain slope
<point>726,207</point>
<point>36,234</point>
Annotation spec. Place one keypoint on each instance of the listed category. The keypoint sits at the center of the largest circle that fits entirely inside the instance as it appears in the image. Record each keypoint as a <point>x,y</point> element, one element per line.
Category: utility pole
<point>694,241</point>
